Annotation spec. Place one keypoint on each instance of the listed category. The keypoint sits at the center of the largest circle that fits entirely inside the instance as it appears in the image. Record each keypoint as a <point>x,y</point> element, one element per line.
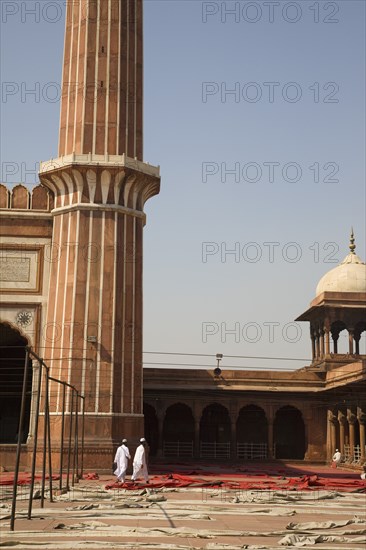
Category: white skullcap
<point>142,440</point>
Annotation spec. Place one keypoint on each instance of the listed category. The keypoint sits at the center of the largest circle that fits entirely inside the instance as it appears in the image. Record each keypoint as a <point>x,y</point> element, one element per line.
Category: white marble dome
<point>348,276</point>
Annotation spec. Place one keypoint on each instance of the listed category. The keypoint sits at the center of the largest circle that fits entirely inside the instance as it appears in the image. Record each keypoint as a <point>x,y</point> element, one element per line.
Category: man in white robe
<point>121,459</point>
<point>337,457</point>
<point>139,462</point>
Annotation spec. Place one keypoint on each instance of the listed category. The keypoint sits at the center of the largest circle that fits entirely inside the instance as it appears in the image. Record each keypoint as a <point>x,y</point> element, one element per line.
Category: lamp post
<point>217,370</point>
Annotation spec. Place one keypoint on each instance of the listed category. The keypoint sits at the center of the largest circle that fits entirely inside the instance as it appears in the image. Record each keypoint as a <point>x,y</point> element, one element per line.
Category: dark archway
<point>178,431</point>
<point>178,423</point>
<point>252,425</point>
<point>151,426</point>
<point>289,433</point>
<point>12,360</point>
<point>215,425</point>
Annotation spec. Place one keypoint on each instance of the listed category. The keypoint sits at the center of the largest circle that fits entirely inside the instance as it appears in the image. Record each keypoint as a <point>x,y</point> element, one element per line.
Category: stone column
<point>270,433</point>
<point>317,345</point>
<point>233,453</point>
<point>196,450</point>
<point>335,336</point>
<point>312,336</point>
<point>321,339</point>
<point>362,421</point>
<point>342,420</point>
<point>352,419</point>
<point>332,434</point>
<point>327,340</point>
<point>356,338</point>
<point>160,418</point>
<point>350,340</point>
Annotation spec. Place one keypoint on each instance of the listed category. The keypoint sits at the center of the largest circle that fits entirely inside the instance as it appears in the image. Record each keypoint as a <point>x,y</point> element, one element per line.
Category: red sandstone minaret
<point>101,109</point>
<point>93,335</point>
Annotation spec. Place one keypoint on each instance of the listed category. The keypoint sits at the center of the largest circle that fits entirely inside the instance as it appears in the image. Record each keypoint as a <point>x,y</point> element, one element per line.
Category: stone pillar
<point>352,419</point>
<point>327,340</point>
<point>233,452</point>
<point>362,421</point>
<point>312,336</point>
<point>160,418</point>
<point>332,434</point>
<point>196,451</point>
<point>335,336</point>
<point>350,340</point>
<point>317,345</point>
<point>321,339</point>
<point>356,338</point>
<point>270,433</point>
<point>342,421</point>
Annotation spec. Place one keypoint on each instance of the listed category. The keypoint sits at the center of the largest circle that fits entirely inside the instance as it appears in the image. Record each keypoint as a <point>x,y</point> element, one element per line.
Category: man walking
<point>121,459</point>
<point>337,457</point>
<point>139,462</point>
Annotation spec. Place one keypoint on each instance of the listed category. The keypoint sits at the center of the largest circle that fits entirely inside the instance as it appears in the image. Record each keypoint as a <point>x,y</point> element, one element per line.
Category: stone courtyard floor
<point>265,506</point>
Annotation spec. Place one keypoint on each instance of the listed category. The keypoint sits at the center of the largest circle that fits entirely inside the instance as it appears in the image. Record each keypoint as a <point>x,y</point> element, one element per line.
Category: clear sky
<point>255,112</point>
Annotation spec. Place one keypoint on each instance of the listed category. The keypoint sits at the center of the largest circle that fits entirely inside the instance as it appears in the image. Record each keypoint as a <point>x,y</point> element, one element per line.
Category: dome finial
<point>352,245</point>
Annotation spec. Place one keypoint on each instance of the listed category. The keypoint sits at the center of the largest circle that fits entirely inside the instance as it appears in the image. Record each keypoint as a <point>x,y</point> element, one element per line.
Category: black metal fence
<point>71,443</point>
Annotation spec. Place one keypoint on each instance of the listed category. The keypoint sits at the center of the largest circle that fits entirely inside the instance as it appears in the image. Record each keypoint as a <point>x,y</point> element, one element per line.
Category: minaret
<point>101,108</point>
<point>93,335</point>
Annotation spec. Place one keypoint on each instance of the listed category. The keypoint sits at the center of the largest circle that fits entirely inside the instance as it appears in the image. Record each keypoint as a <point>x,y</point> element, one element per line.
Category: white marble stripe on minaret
<point>86,311</point>
<point>123,322</point>
<point>84,91</point>
<point>100,314</point>
<point>96,82</point>
<point>62,83</point>
<point>127,73</point>
<point>76,260</point>
<point>115,254</point>
<point>68,83</point>
<point>133,314</point>
<point>62,343</point>
<point>77,79</point>
<point>119,80</point>
<point>135,86</point>
<point>106,128</point>
<point>52,346</point>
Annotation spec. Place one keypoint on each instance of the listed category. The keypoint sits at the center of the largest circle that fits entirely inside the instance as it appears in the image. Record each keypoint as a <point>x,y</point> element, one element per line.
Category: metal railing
<point>252,451</point>
<point>178,448</point>
<point>354,457</point>
<point>214,450</point>
<point>73,436</point>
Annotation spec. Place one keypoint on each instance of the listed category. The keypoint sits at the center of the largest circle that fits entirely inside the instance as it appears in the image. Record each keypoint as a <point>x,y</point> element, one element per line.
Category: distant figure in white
<point>121,459</point>
<point>139,462</point>
<point>336,458</point>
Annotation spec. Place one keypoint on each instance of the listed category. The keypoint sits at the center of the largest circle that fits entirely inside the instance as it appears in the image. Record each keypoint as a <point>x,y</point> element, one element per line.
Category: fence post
<point>70,434</point>
<point>62,431</point>
<point>45,433</point>
<point>82,438</point>
<point>20,434</point>
<point>35,435</point>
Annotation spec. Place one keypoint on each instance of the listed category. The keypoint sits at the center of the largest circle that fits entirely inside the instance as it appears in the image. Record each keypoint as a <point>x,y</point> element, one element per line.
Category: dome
<point>348,276</point>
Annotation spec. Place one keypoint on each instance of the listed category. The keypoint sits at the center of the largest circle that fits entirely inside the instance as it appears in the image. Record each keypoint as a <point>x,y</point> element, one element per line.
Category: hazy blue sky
<point>292,133</point>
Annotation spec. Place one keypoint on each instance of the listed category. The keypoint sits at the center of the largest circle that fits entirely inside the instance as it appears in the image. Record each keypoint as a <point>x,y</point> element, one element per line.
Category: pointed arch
<point>151,427</point>
<point>289,433</point>
<point>12,361</point>
<point>252,425</point>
